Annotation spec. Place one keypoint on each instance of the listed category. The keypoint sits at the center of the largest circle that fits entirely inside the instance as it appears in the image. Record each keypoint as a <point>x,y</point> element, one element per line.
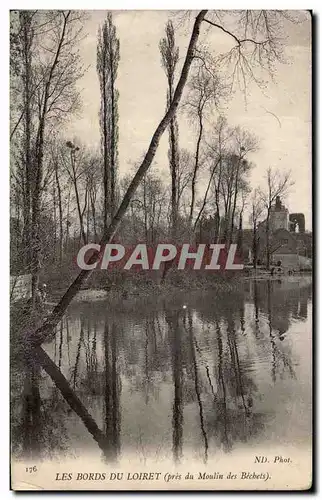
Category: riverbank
<point>145,288</point>
<point>131,289</point>
<point>293,278</point>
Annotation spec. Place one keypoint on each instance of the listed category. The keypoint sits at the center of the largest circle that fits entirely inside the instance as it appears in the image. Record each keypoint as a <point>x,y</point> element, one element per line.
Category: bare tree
<point>27,32</point>
<point>60,69</point>
<point>277,184</point>
<point>58,183</point>
<point>204,91</point>
<point>149,210</point>
<point>75,172</point>
<point>257,208</point>
<point>227,150</point>
<point>184,175</point>
<point>217,150</point>
<point>51,68</point>
<point>169,58</point>
<point>60,208</point>
<point>244,193</point>
<point>245,143</point>
<point>212,169</point>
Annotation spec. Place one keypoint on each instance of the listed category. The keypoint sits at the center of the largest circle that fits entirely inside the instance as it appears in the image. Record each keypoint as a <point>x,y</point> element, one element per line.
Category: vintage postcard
<point>160,250</point>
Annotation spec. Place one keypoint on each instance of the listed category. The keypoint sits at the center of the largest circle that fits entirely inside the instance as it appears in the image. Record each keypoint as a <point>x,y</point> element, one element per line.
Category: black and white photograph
<point>161,250</point>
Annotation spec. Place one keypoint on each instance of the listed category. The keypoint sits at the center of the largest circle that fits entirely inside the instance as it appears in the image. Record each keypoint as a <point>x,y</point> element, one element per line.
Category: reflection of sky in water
<point>224,373</point>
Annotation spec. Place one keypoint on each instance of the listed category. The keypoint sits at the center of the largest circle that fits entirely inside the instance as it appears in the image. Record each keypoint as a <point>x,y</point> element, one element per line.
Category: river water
<point>193,375</point>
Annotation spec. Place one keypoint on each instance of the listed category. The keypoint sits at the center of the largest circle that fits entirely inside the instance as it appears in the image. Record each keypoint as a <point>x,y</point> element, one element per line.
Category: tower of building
<point>279,216</point>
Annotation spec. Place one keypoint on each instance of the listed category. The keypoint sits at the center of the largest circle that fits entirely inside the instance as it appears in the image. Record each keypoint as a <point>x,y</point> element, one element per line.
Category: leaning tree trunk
<point>205,198</point>
<point>37,337</point>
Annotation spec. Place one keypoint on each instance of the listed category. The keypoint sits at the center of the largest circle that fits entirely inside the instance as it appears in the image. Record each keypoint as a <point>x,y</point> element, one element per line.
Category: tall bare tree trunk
<point>60,209</point>
<point>106,180</point>
<point>196,168</point>
<point>174,169</point>
<point>169,58</point>
<point>79,210</point>
<point>267,240</point>
<point>234,202</point>
<point>113,145</point>
<point>92,201</point>
<point>27,43</point>
<point>38,165</point>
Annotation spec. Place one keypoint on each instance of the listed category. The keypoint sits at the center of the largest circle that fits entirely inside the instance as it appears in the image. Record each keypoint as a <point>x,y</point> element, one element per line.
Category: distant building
<point>279,216</point>
<point>290,245</point>
<point>281,219</point>
<point>290,250</point>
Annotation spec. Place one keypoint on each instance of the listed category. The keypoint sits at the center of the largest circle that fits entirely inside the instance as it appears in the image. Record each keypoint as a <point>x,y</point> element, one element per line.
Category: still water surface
<point>195,375</point>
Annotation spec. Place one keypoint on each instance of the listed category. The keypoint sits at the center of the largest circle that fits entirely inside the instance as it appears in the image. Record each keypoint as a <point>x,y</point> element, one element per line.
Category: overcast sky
<point>285,139</point>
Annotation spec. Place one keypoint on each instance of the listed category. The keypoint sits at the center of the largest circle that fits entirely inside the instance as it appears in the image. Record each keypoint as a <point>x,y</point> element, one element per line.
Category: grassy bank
<point>129,284</point>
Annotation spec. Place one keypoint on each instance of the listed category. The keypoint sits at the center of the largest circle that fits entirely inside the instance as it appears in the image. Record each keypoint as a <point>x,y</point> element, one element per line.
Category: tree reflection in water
<point>112,390</point>
<point>208,361</point>
<point>175,340</point>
